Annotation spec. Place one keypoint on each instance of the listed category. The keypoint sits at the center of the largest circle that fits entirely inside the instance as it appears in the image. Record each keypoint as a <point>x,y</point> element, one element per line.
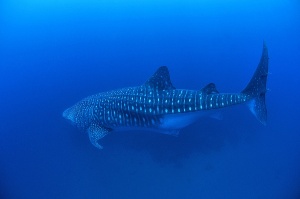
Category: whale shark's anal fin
<point>97,132</point>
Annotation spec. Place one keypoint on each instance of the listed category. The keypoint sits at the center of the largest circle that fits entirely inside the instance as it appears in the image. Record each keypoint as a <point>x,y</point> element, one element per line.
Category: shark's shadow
<point>204,137</point>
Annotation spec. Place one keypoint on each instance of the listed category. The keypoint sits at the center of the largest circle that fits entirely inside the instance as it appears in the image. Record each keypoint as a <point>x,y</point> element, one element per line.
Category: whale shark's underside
<point>159,106</point>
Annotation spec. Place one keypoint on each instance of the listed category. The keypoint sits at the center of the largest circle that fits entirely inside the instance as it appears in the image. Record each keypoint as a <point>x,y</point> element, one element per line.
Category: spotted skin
<point>157,104</point>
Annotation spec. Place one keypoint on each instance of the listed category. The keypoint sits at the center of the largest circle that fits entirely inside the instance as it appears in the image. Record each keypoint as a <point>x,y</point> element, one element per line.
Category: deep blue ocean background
<point>54,53</point>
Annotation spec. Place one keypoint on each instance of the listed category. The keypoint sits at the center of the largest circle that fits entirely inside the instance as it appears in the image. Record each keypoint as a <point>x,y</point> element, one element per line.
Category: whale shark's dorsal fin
<point>160,80</point>
<point>209,89</point>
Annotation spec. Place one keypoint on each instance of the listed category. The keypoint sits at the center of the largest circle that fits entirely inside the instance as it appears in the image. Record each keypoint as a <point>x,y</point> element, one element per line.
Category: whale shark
<point>157,105</point>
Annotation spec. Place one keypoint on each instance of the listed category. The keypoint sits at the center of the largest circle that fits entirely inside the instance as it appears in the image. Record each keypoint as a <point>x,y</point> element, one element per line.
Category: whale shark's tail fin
<point>256,88</point>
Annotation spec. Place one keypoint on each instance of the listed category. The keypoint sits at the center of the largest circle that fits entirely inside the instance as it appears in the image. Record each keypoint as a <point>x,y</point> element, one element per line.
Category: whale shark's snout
<point>68,114</point>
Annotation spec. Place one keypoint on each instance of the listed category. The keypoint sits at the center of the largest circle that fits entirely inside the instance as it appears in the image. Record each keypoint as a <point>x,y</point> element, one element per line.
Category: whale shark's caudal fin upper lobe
<point>256,88</point>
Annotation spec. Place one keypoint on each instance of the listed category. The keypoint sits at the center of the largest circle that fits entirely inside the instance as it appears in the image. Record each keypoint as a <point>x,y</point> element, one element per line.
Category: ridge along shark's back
<point>158,105</point>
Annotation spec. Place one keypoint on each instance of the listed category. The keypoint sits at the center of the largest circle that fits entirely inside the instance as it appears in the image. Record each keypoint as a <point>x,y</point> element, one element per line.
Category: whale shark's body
<point>158,105</point>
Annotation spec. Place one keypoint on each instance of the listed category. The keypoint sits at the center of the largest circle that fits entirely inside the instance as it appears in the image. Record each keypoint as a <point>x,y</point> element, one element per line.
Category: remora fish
<point>158,105</point>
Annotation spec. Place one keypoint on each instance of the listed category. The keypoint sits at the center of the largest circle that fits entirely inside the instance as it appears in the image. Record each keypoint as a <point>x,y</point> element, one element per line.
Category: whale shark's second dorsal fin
<point>209,89</point>
<point>160,80</point>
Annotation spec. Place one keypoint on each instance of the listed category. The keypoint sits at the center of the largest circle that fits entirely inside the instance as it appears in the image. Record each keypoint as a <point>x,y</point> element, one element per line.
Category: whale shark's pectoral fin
<point>97,132</point>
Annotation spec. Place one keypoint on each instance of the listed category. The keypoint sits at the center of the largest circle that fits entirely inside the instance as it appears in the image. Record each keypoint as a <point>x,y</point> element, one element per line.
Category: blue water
<point>54,53</point>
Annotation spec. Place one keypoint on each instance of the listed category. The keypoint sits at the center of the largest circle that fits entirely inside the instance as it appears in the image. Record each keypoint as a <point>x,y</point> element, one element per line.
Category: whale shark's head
<point>69,114</point>
<point>78,115</point>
